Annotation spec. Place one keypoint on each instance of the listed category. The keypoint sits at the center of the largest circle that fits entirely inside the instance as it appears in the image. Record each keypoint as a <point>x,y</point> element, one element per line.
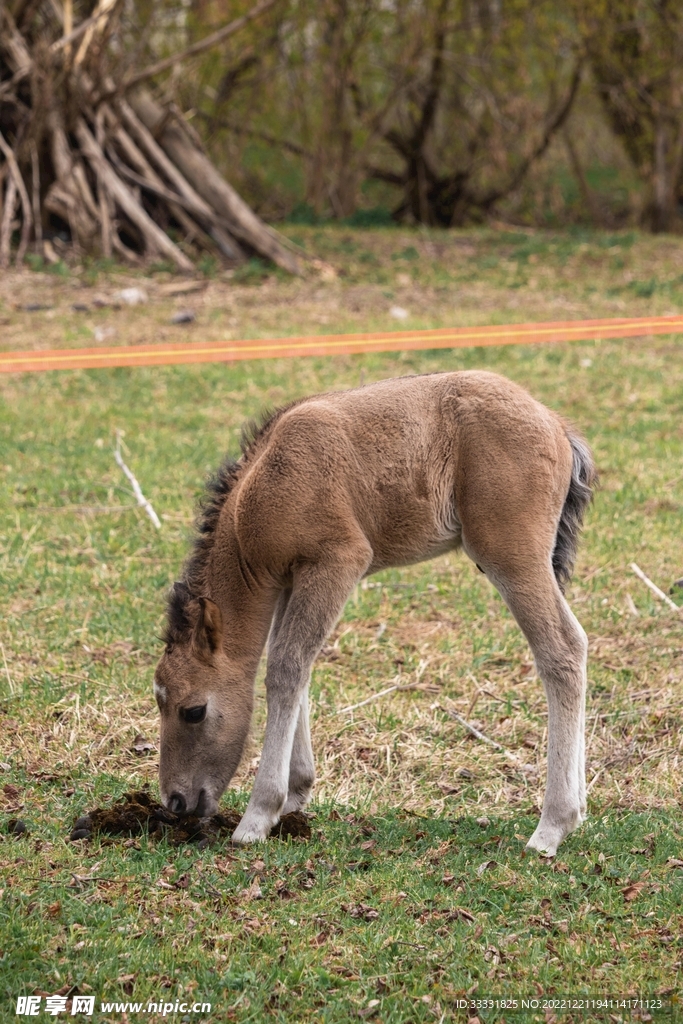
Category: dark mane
<point>218,487</point>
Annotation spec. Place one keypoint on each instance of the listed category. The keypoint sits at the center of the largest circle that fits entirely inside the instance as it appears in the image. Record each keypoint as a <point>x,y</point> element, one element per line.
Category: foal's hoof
<point>547,837</point>
<point>250,832</point>
<point>545,842</point>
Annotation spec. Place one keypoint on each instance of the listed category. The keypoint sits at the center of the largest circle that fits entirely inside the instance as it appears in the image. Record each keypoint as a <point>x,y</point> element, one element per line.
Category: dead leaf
<point>254,890</point>
<point>631,892</point>
<point>487,864</point>
<point>54,909</point>
<point>126,982</point>
<point>141,745</point>
<point>443,848</point>
<point>182,882</point>
<point>11,792</point>
<point>492,955</point>
<point>674,862</point>
<point>360,910</point>
<point>371,1009</point>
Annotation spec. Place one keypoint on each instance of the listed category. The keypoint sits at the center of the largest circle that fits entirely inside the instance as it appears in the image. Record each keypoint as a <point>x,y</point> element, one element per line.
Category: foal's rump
<point>523,479</point>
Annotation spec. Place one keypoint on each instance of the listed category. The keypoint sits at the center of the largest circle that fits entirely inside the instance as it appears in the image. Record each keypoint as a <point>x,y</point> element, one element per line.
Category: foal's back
<point>418,465</point>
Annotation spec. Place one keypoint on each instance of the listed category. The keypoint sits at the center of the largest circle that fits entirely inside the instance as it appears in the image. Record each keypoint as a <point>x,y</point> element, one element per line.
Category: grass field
<point>414,892</point>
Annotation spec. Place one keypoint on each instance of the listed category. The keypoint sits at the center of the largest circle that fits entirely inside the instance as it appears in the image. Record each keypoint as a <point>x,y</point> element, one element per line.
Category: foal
<point>331,489</point>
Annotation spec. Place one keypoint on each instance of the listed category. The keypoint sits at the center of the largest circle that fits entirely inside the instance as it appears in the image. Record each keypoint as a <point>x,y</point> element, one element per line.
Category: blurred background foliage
<point>444,112</point>
<point>440,112</point>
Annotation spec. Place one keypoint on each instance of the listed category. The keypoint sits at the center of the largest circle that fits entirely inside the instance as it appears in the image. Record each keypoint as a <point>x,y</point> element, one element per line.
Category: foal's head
<point>205,707</point>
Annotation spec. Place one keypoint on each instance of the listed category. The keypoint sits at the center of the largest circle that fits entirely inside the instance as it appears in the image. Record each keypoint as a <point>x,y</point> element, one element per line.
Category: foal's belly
<point>387,556</point>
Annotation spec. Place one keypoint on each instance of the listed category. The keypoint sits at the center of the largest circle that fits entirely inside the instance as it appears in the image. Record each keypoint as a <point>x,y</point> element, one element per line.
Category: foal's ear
<point>208,630</point>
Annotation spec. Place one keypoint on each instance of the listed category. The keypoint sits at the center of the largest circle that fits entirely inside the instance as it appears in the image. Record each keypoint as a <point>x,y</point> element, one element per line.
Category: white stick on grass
<point>141,499</point>
<point>376,696</point>
<point>480,735</point>
<point>654,588</point>
<point>9,678</point>
<point>415,685</point>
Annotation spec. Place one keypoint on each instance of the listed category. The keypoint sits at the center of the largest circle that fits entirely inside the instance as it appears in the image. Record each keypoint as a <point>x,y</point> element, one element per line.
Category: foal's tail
<point>584,478</point>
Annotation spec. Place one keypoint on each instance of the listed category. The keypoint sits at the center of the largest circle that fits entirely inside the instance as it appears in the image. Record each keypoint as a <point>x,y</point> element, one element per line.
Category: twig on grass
<point>9,678</point>
<point>654,588</point>
<point>141,499</point>
<point>480,735</point>
<point>390,689</point>
<point>415,685</point>
<point>594,779</point>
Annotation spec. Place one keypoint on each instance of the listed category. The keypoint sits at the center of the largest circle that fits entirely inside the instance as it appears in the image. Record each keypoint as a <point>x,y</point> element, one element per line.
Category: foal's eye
<point>193,715</point>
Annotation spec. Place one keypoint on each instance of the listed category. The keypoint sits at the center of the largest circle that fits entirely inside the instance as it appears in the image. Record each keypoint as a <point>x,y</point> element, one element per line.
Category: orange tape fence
<point>336,344</point>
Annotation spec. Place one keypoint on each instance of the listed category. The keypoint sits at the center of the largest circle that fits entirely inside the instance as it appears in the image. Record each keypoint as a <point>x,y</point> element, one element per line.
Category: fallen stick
<point>594,779</point>
<point>480,735</point>
<point>9,678</point>
<point>383,693</point>
<point>141,499</point>
<point>654,588</point>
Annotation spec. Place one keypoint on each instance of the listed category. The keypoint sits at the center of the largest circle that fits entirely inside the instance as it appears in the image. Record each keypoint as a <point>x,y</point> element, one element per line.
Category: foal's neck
<point>246,605</point>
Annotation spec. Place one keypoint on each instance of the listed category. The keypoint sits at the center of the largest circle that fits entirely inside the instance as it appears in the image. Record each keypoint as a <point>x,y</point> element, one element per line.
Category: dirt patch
<point>137,812</point>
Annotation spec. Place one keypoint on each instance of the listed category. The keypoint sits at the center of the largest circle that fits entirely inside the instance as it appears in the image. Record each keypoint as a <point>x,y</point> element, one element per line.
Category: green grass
<point>392,916</point>
<point>400,785</point>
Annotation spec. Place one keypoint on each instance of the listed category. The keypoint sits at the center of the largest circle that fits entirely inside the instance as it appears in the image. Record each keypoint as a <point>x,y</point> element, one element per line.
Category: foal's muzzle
<point>177,804</point>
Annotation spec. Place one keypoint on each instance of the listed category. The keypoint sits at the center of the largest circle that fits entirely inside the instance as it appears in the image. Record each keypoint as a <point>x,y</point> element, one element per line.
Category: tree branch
<point>557,121</point>
<point>27,217</point>
<point>204,44</point>
<point>151,232</point>
<point>254,133</point>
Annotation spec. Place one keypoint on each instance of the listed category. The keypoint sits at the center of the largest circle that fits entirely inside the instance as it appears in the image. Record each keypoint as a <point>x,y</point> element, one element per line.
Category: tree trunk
<point>662,190</point>
<point>211,186</point>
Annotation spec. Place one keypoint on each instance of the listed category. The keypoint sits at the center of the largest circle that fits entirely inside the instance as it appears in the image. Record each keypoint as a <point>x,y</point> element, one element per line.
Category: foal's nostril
<point>176,803</point>
<point>200,809</point>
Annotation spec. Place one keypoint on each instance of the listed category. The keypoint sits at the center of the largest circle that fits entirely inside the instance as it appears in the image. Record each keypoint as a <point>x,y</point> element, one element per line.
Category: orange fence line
<point>336,344</point>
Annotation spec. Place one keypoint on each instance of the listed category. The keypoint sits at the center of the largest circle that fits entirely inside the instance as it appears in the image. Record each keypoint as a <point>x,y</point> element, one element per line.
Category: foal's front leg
<point>302,764</point>
<point>317,599</point>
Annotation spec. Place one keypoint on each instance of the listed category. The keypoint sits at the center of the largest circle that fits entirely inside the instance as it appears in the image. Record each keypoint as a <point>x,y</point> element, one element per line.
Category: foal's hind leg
<point>318,597</point>
<point>510,503</point>
<point>559,647</point>
<point>515,551</point>
<point>302,763</point>
<point>523,574</point>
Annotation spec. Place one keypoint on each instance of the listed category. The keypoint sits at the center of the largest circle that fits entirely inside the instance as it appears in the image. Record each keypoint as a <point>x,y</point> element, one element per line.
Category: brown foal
<point>329,490</point>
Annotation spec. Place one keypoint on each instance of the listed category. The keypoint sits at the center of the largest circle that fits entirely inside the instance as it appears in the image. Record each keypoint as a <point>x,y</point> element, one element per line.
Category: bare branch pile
<point>88,154</point>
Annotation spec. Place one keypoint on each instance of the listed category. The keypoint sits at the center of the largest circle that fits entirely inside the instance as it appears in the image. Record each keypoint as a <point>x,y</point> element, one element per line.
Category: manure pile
<point>137,812</point>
